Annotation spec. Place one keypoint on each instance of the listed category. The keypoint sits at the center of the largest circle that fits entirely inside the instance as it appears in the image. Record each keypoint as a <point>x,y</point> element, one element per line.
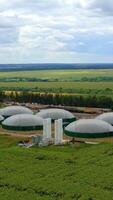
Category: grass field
<point>79,88</point>
<point>65,81</point>
<point>83,172</point>
<point>58,85</point>
<point>62,75</point>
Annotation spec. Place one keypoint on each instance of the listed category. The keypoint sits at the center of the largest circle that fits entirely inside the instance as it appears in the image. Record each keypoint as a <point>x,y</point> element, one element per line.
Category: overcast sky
<point>56,31</point>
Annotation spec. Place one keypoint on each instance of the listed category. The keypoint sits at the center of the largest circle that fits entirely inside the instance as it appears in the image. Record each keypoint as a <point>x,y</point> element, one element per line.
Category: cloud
<point>95,5</point>
<point>39,28</point>
<point>103,6</point>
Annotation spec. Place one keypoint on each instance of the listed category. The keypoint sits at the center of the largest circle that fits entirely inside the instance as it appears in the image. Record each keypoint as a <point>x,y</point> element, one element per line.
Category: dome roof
<point>55,113</point>
<point>89,128</point>
<point>107,117</point>
<point>1,118</point>
<point>13,110</point>
<point>21,121</point>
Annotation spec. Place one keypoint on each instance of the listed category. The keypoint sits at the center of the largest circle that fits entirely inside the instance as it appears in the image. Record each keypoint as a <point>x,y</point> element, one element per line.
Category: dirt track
<point>29,135</point>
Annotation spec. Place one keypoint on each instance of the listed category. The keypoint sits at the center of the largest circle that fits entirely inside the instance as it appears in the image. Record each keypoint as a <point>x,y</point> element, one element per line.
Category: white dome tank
<point>107,117</point>
<point>13,110</point>
<point>55,113</point>
<point>23,122</point>
<point>1,118</point>
<point>89,128</point>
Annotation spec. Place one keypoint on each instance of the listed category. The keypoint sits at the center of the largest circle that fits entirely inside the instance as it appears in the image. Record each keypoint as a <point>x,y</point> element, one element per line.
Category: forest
<point>58,99</point>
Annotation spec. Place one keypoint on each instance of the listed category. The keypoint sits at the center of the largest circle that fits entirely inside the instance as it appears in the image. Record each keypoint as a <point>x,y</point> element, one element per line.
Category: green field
<point>58,85</point>
<point>61,75</point>
<point>79,82</point>
<point>77,88</point>
<point>83,172</point>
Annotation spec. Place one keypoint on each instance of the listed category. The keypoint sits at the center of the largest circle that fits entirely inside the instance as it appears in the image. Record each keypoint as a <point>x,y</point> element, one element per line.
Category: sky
<point>56,31</point>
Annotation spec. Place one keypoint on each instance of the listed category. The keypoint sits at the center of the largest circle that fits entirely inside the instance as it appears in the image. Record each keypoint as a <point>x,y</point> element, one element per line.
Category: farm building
<point>107,117</point>
<point>55,113</point>
<point>23,122</point>
<point>89,128</point>
<point>13,110</point>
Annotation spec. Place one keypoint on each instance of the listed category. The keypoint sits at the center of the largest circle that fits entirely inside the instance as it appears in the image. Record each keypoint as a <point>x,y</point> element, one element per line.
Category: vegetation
<point>83,172</point>
<point>81,88</point>
<point>58,75</point>
<point>58,99</point>
<point>67,87</point>
<point>93,82</point>
<point>52,173</point>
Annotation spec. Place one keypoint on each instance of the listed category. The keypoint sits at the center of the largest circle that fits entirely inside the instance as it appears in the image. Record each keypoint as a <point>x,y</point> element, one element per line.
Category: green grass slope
<point>80,173</point>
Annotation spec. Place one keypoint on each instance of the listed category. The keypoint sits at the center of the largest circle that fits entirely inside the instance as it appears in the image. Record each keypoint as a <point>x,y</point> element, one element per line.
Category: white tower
<point>58,132</point>
<point>47,129</point>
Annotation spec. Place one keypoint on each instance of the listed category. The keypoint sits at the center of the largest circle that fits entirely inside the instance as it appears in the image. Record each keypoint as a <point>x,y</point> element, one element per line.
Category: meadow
<point>83,172</point>
<point>61,75</point>
<point>59,85</point>
<point>94,82</point>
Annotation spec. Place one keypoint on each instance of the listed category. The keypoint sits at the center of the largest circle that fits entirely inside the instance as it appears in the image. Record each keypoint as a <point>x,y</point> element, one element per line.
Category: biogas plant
<point>55,126</point>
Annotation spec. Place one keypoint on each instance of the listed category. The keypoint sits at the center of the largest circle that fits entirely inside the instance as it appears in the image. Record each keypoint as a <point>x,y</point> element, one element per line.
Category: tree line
<point>58,99</point>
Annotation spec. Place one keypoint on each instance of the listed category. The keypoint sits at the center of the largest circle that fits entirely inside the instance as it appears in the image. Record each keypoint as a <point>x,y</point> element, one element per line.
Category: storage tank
<point>89,128</point>
<point>13,110</point>
<point>107,117</point>
<point>1,118</point>
<point>23,122</point>
<point>55,113</point>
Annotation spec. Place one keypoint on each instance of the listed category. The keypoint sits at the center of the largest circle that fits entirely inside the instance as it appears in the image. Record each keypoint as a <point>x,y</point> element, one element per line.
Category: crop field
<point>58,85</point>
<point>76,88</point>
<point>57,79</point>
<point>83,172</point>
<point>61,75</point>
<point>77,82</point>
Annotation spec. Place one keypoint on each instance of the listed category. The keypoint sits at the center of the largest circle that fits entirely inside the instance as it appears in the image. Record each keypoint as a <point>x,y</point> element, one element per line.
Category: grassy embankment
<point>80,173</point>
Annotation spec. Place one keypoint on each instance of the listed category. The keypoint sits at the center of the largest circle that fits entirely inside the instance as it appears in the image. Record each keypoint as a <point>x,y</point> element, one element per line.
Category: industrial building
<point>23,122</point>
<point>89,128</point>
